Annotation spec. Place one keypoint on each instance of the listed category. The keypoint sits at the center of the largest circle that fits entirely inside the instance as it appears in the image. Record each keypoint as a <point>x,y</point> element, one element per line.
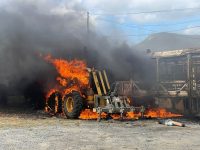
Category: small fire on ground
<point>88,114</point>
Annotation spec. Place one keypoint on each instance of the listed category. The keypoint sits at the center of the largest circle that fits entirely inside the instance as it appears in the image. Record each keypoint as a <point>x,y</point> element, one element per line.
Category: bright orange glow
<point>160,113</point>
<point>72,75</point>
<point>50,92</point>
<point>87,114</point>
<point>70,71</point>
<point>132,115</point>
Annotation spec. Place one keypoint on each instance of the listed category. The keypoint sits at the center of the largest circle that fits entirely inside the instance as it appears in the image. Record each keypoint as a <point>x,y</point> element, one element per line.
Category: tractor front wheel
<point>73,105</point>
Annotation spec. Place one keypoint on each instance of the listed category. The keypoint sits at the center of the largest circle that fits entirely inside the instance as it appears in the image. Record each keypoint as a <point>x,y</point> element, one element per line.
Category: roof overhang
<point>174,53</point>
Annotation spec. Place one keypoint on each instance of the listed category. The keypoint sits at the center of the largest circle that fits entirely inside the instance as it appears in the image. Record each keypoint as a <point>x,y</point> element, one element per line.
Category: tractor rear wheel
<point>73,105</point>
<point>54,103</point>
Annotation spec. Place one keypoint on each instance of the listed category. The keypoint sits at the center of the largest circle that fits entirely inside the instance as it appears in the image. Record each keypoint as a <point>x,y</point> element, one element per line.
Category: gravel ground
<point>30,131</point>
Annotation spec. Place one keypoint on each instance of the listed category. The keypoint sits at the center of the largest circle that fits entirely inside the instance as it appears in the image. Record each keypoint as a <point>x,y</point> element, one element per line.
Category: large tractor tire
<point>73,105</point>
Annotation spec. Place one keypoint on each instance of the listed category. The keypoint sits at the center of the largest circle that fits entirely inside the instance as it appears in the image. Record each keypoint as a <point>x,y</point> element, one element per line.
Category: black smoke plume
<point>29,29</point>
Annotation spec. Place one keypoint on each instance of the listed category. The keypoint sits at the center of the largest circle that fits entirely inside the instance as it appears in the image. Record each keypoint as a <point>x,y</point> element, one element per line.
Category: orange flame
<point>75,70</point>
<point>160,113</point>
<point>50,92</point>
<point>72,75</point>
<point>87,114</point>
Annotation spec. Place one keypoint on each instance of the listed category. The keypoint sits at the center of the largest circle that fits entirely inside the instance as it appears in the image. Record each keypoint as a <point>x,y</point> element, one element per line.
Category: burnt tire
<point>51,103</point>
<point>73,105</point>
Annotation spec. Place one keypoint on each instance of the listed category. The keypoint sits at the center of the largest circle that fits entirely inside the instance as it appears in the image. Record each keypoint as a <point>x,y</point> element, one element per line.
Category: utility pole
<point>86,41</point>
<point>88,21</point>
<point>88,30</point>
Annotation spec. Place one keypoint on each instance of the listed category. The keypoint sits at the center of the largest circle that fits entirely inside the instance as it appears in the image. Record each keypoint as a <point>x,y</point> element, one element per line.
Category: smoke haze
<point>29,29</point>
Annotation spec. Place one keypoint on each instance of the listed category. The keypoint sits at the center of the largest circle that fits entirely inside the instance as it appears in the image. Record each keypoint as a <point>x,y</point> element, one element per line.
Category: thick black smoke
<point>29,29</point>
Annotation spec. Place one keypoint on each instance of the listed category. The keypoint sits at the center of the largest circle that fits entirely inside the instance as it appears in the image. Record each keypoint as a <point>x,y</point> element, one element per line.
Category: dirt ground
<point>37,131</point>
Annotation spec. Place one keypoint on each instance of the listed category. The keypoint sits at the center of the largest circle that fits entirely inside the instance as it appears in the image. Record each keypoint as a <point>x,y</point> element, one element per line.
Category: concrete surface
<point>34,132</point>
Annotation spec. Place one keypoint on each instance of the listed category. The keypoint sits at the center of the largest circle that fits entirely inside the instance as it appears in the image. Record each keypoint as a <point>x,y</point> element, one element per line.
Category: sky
<point>128,20</point>
<point>30,28</point>
<point>177,16</point>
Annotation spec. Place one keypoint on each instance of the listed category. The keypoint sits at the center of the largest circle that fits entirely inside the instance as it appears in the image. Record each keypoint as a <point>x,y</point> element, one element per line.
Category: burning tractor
<point>79,88</point>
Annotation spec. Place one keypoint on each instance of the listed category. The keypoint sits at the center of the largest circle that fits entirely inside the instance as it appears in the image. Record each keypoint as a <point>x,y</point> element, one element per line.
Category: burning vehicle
<point>80,87</point>
<point>85,93</point>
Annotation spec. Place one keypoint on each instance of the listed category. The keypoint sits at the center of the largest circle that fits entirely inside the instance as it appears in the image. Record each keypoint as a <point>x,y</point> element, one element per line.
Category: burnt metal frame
<point>190,83</point>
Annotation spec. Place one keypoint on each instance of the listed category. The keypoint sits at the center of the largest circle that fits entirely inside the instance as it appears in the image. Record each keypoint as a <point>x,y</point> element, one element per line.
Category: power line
<point>137,27</point>
<point>125,25</point>
<point>148,25</point>
<point>146,12</point>
<point>172,24</point>
<point>111,21</point>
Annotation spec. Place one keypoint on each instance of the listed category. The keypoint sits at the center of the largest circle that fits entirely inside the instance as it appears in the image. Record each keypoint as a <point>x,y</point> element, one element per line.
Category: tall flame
<point>72,75</point>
